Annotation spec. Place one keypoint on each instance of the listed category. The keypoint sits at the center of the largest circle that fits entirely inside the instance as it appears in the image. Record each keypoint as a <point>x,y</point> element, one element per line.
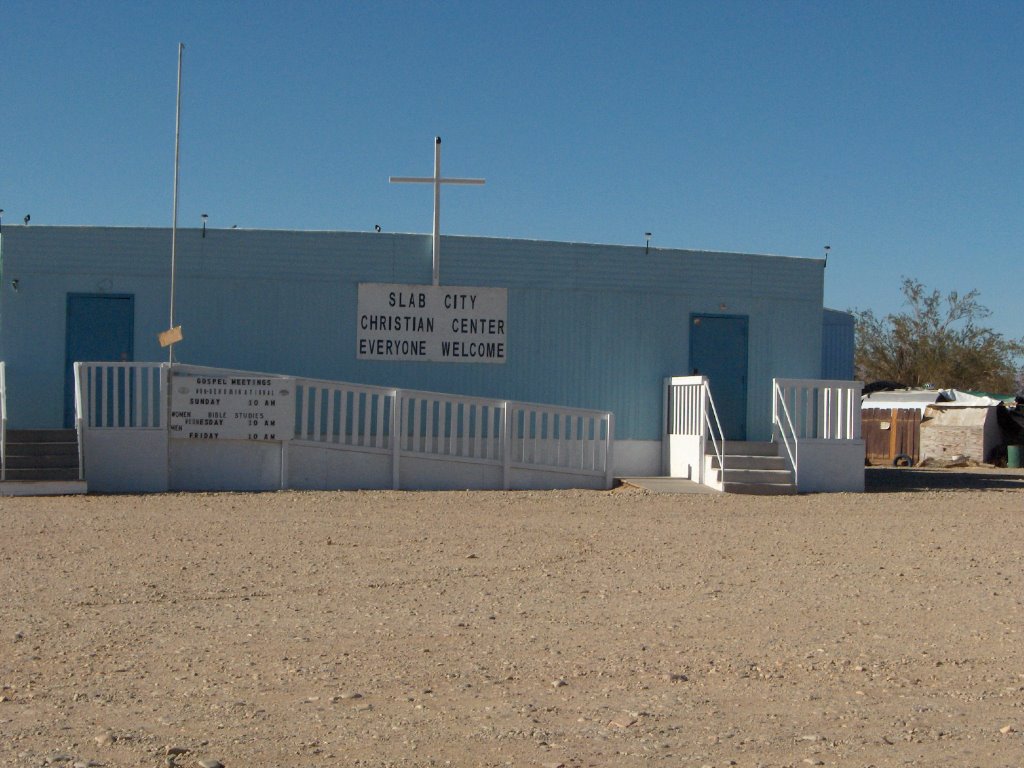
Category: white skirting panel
<point>430,474</point>
<point>831,466</point>
<point>125,460</point>
<point>637,458</point>
<point>225,465</point>
<point>685,456</point>
<point>314,468</point>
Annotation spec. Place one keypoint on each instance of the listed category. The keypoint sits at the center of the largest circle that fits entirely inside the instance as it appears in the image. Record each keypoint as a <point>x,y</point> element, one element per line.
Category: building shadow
<point>898,480</point>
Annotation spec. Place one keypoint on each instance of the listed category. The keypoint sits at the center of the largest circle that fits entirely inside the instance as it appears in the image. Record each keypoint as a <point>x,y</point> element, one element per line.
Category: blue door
<point>718,350</point>
<point>100,327</point>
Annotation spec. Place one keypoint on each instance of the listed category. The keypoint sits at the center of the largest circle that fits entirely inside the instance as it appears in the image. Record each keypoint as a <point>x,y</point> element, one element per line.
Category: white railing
<point>717,442</point>
<point>79,420</point>
<point>564,438</point>
<point>381,420</point>
<point>454,427</point>
<point>691,411</point>
<point>3,421</point>
<point>783,431</point>
<point>344,415</point>
<point>685,405</point>
<point>819,410</point>
<point>432,424</point>
<point>119,395</point>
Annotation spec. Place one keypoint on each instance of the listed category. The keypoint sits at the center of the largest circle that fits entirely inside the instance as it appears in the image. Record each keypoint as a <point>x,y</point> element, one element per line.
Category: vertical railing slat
<point>482,447</point>
<point>329,431</point>
<point>366,420</point>
<point>416,404</point>
<point>135,402</point>
<point>105,389</point>
<point>378,441</point>
<point>318,394</point>
<point>344,422</point>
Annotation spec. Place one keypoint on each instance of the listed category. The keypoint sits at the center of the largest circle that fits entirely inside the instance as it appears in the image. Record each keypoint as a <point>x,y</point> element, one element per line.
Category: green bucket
<point>1013,456</point>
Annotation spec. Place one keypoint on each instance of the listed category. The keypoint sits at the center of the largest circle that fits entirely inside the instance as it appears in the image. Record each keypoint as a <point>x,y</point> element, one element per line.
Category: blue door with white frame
<point>100,327</point>
<point>718,350</point>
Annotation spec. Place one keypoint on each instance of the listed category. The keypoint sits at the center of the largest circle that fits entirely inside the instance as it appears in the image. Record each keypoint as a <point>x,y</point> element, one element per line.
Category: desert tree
<point>938,341</point>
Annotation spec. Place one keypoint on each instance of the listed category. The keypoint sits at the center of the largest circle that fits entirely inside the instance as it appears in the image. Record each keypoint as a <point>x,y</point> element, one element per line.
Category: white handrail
<point>719,450</point>
<point>793,453</point>
<point>79,420</point>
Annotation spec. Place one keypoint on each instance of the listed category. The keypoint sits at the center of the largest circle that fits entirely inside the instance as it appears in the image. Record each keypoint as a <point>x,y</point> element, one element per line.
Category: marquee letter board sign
<point>229,407</point>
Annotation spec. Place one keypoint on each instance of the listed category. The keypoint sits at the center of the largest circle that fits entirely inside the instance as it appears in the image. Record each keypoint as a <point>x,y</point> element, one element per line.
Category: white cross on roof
<point>437,181</point>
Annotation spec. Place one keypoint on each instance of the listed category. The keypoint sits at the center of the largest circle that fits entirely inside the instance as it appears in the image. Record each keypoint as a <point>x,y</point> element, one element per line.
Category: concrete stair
<point>41,455</point>
<point>750,467</point>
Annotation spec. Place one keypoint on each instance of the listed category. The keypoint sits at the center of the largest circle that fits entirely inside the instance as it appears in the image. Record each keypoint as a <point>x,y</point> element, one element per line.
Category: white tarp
<point>956,397</point>
<point>922,398</point>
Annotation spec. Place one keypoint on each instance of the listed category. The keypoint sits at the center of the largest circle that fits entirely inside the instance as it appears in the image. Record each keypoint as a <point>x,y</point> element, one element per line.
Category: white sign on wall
<point>223,407</point>
<point>434,323</point>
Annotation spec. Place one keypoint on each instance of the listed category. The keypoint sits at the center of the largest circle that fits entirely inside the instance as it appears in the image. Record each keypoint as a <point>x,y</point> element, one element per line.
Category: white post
<point>167,377</point>
<point>506,447</point>
<point>396,437</point>
<point>79,419</point>
<point>704,426</point>
<point>609,469</point>
<point>436,239</point>
<point>174,219</point>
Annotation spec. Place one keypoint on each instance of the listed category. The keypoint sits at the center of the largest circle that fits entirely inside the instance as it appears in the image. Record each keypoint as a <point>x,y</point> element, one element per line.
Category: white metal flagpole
<point>437,181</point>
<point>436,241</point>
<point>174,220</point>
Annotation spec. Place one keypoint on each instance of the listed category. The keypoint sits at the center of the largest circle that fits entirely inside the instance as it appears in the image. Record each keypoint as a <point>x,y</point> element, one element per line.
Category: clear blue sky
<point>893,131</point>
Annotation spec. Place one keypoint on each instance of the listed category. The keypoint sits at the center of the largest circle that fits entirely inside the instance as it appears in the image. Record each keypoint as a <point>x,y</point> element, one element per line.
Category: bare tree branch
<point>939,341</point>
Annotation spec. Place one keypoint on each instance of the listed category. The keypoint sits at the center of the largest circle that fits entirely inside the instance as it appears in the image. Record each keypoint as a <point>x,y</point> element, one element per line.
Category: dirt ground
<point>570,628</point>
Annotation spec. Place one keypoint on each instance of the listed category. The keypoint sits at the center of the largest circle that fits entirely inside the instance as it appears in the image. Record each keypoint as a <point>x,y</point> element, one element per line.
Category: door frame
<point>746,361</point>
<point>69,374</point>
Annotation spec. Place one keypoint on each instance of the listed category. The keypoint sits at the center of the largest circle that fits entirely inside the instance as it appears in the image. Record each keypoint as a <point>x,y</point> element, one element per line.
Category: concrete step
<point>43,487</point>
<point>41,455</point>
<point>752,467</point>
<point>42,449</point>
<point>771,476</point>
<point>42,461</point>
<point>41,436</point>
<point>749,448</point>
<point>750,462</point>
<point>760,488</point>
<point>35,474</point>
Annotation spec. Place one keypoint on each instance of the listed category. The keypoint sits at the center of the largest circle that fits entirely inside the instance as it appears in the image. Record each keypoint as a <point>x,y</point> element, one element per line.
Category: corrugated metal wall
<point>590,326</point>
<point>837,345</point>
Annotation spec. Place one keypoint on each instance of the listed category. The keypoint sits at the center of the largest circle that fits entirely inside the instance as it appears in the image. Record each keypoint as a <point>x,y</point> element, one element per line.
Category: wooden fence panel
<point>889,433</point>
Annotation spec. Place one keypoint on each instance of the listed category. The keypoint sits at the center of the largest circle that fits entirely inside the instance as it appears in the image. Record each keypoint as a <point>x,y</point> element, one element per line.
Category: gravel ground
<point>570,628</point>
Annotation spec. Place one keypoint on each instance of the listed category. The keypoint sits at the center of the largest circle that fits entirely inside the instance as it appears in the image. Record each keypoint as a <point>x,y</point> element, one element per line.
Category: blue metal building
<point>588,326</point>
<point>837,345</point>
